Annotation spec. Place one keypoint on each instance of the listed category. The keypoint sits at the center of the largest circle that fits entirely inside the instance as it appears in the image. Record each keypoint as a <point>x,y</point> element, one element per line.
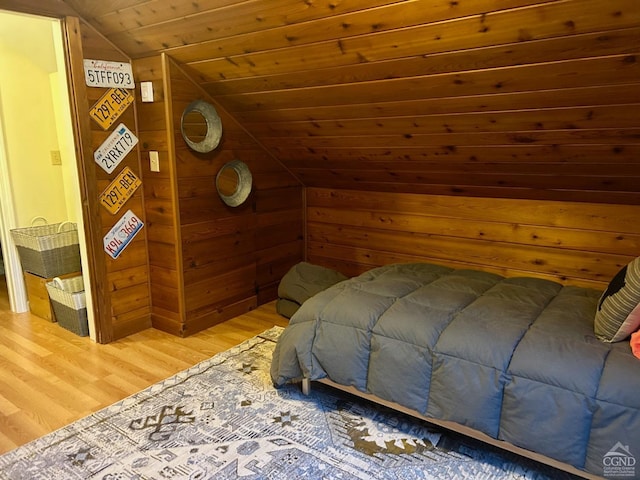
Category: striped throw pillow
<point>618,314</point>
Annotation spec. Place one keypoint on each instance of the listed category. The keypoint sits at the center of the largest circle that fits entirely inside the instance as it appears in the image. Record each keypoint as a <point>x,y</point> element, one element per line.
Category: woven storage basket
<point>48,250</point>
<point>69,304</point>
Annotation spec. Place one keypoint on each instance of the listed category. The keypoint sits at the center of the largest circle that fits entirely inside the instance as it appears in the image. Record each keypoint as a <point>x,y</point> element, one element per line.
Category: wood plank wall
<point>573,243</point>
<point>167,302</point>
<point>127,277</point>
<point>122,300</point>
<point>210,262</point>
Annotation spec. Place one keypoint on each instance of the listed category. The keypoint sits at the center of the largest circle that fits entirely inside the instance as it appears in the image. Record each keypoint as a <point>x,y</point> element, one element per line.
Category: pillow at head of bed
<point>618,314</point>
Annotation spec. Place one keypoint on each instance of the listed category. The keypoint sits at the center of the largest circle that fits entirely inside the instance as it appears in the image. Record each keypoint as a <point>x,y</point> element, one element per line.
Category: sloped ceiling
<point>506,98</point>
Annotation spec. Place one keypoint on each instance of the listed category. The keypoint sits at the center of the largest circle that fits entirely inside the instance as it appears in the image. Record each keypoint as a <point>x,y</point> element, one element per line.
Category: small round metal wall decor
<point>237,187</point>
<point>213,126</point>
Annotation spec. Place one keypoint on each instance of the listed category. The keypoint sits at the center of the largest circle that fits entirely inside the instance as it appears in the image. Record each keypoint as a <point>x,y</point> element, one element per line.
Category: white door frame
<point>13,269</point>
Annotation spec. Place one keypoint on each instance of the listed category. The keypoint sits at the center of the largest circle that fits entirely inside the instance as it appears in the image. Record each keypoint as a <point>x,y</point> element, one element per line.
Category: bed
<point>512,361</point>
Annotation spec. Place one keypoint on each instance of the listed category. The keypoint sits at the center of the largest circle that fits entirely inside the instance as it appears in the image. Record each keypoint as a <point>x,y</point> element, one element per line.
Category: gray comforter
<point>515,358</point>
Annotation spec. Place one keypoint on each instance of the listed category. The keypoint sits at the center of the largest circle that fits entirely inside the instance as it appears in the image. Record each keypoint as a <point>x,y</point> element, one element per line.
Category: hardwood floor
<point>50,377</point>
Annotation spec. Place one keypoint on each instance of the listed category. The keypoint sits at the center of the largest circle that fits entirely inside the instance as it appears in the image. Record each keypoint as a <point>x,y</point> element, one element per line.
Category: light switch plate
<point>154,161</point>
<point>146,91</point>
<point>56,159</point>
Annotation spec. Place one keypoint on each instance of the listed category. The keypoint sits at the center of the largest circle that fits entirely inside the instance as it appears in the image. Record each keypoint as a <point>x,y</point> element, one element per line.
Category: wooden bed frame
<point>456,427</point>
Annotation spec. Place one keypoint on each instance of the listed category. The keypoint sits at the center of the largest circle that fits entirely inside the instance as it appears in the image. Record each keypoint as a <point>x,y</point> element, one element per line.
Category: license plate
<point>120,190</point>
<point>101,73</point>
<point>115,148</point>
<point>121,234</point>
<point>110,106</point>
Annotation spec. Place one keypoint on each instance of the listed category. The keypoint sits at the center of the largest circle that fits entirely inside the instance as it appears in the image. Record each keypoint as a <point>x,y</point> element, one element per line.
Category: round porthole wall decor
<point>233,183</point>
<point>201,126</point>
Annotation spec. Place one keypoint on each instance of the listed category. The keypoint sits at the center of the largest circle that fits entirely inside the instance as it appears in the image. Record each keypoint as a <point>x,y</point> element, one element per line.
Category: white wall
<point>66,147</point>
<point>29,123</point>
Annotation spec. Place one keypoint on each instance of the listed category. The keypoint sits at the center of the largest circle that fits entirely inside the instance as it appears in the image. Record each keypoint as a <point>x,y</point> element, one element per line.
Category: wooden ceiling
<point>502,98</point>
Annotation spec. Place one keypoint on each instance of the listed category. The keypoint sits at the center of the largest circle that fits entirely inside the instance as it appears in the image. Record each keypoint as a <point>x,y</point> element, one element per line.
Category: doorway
<point>38,167</point>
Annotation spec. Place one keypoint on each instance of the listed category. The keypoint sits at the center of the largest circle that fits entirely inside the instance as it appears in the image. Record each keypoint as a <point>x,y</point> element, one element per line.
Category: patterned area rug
<point>222,419</point>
